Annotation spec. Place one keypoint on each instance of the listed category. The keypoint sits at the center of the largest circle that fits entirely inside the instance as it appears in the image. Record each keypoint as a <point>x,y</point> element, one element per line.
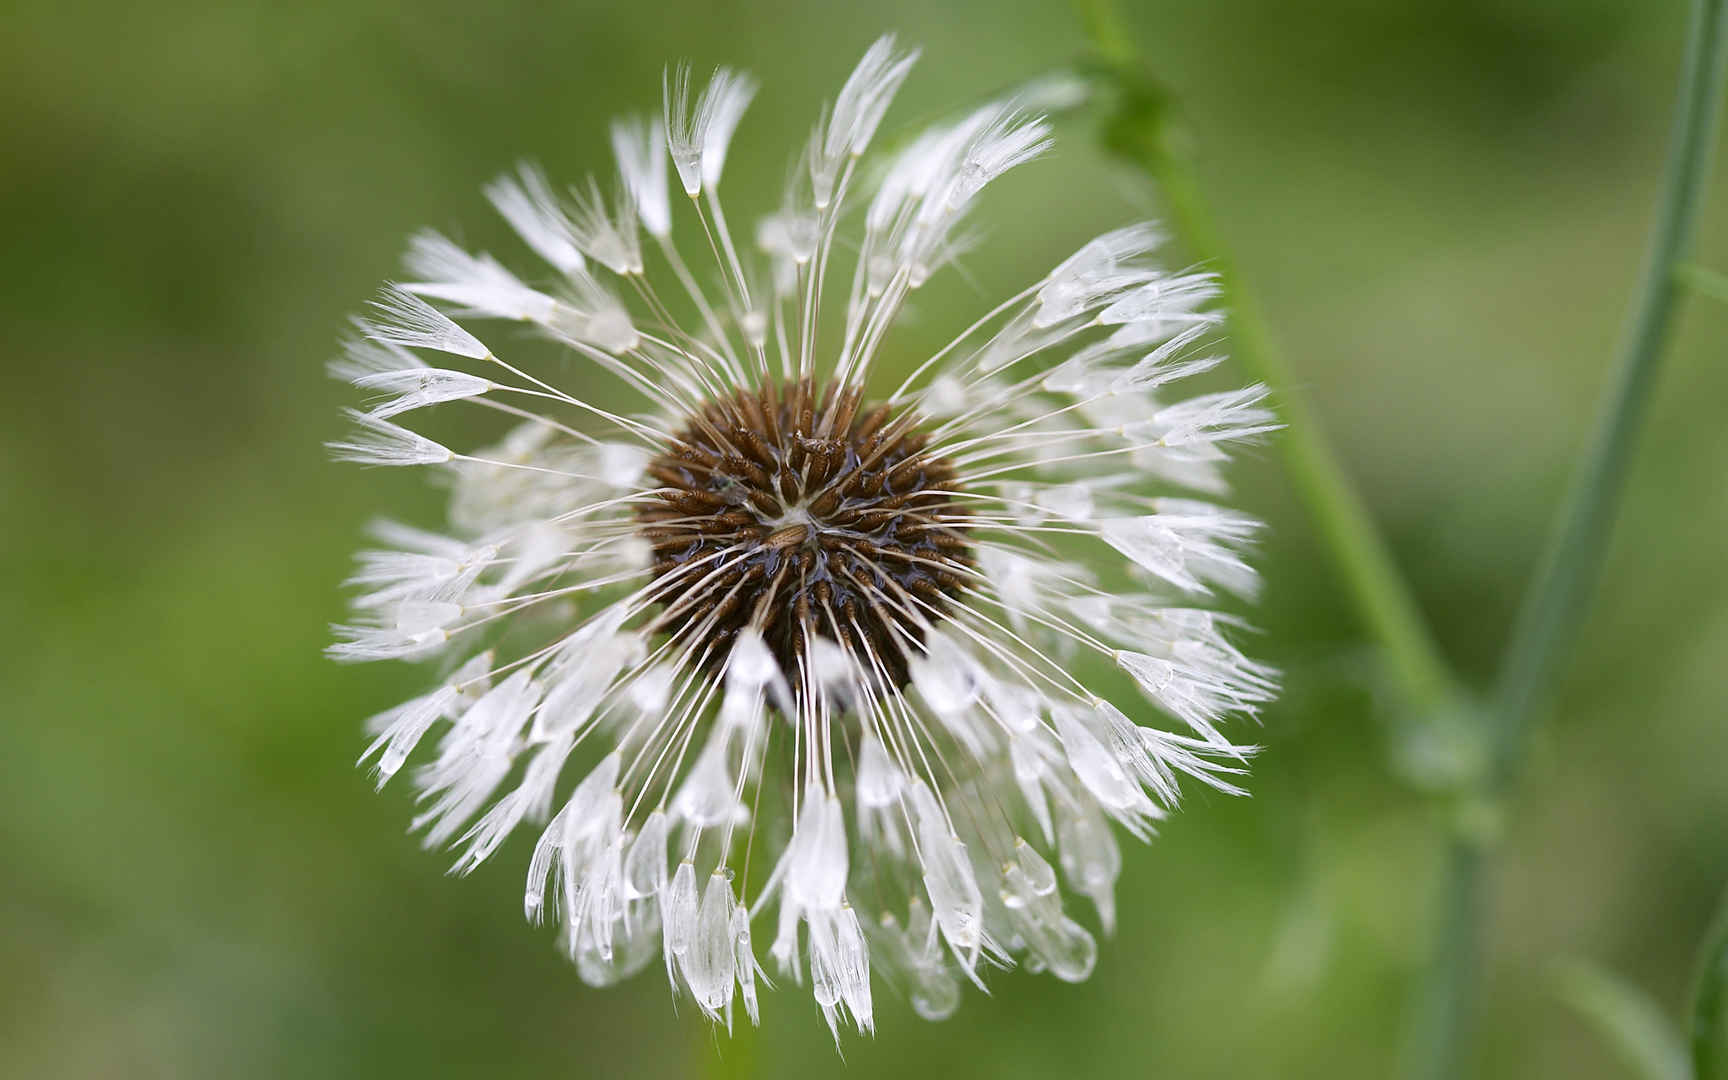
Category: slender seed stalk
<point>1141,134</point>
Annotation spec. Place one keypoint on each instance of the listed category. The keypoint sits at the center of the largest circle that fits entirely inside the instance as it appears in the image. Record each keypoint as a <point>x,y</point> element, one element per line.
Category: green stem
<point>1710,1002</point>
<point>1141,134</point>
<point>1556,599</point>
<point>1433,1047</point>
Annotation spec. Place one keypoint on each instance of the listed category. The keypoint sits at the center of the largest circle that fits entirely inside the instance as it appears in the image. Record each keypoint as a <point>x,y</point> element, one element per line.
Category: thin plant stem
<point>1142,135</point>
<point>1433,1047</point>
<point>1557,597</point>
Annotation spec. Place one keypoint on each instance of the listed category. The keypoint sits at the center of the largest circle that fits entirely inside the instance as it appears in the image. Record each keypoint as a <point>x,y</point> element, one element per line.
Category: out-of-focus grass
<point>1443,207</point>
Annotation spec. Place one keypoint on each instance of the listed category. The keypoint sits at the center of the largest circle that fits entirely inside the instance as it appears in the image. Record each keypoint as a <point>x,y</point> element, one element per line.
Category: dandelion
<point>783,667</point>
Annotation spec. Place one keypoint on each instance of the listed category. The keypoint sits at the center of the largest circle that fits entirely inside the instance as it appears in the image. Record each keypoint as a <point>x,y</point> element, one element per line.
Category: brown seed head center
<point>800,514</point>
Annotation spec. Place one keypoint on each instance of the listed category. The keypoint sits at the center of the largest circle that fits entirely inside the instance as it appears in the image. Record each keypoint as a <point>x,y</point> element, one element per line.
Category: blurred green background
<point>1444,206</point>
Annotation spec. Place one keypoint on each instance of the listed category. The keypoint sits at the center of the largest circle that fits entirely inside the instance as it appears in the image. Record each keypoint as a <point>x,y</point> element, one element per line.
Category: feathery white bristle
<point>418,387</point>
<point>379,442</point>
<point>526,201</point>
<point>475,284</point>
<point>722,106</point>
<point>640,147</point>
<point>412,323</point>
<point>699,134</point>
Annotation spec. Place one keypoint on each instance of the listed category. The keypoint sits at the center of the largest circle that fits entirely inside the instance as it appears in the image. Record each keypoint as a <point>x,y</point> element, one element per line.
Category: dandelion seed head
<point>787,662</point>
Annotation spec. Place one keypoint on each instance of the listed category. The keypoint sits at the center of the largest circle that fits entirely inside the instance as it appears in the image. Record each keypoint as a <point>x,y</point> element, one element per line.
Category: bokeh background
<point>1443,206</point>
